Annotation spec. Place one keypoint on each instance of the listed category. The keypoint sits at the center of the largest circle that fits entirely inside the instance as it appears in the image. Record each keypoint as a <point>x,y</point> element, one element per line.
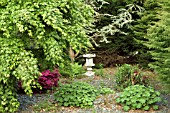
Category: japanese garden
<point>84,56</point>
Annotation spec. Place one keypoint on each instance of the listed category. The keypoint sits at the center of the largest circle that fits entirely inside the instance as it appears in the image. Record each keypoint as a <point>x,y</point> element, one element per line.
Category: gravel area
<point>27,101</point>
<point>103,104</point>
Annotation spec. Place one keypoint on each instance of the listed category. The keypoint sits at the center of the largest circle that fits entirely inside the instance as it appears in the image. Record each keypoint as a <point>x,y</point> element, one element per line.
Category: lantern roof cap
<point>89,55</point>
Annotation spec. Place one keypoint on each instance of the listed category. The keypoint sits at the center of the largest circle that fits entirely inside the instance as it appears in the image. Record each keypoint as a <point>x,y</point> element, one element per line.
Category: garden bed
<point>103,104</point>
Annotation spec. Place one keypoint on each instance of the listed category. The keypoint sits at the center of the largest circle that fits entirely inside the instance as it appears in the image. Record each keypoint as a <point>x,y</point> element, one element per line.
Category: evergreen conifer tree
<point>158,37</point>
<point>144,22</point>
<point>113,32</point>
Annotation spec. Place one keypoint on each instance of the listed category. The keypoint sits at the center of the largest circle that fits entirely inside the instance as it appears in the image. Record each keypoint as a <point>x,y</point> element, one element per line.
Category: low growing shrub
<point>78,94</point>
<point>128,75</point>
<point>49,79</point>
<point>139,97</point>
<point>72,70</point>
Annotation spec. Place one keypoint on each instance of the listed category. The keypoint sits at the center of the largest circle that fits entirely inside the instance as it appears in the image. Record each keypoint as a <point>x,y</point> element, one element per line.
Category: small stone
<point>99,101</point>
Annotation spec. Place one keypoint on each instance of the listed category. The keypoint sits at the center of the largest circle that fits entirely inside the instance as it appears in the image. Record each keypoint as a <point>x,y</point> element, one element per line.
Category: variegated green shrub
<point>30,26</point>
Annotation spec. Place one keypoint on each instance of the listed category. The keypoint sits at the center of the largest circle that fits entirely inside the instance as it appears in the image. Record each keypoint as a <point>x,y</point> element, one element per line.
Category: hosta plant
<point>139,97</point>
<point>128,75</point>
<point>78,94</point>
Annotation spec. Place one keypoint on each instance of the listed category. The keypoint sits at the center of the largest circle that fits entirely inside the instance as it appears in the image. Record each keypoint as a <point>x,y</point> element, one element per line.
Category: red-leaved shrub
<point>49,79</point>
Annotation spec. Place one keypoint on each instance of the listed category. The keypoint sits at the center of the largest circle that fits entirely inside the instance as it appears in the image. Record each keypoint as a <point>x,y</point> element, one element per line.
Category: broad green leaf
<point>146,108</point>
<point>155,107</point>
<point>126,108</point>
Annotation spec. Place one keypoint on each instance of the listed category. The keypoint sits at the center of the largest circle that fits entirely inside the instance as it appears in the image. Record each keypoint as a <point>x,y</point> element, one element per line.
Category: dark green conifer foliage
<point>114,25</point>
<point>144,22</point>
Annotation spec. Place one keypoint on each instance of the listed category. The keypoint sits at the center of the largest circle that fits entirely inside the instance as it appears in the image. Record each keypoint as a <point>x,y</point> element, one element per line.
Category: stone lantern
<point>89,64</point>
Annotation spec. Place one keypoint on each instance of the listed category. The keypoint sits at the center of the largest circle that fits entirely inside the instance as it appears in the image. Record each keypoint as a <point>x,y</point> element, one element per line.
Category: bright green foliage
<point>105,91</point>
<point>99,72</point>
<point>76,94</point>
<point>79,94</point>
<point>16,64</point>
<point>49,26</point>
<point>99,66</point>
<point>31,27</point>
<point>128,75</point>
<point>158,41</point>
<point>139,97</point>
<point>72,70</point>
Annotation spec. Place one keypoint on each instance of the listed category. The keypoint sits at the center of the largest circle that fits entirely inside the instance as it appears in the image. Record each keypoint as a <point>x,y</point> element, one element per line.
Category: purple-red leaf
<point>49,79</point>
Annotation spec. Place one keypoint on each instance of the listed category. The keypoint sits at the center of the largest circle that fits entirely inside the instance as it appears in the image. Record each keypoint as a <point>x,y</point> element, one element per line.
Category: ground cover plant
<point>78,94</point>
<point>139,97</point>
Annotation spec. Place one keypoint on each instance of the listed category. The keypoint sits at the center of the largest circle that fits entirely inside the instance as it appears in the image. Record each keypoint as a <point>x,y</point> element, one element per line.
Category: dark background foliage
<point>126,44</point>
